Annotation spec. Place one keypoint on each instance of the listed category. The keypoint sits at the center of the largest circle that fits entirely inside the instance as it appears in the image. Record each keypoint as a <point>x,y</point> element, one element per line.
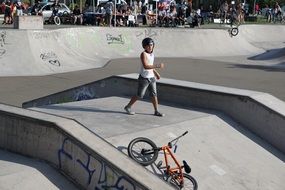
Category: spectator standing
<point>14,10</point>
<point>268,13</point>
<point>240,13</point>
<point>257,8</point>
<point>224,11</point>
<point>8,13</point>
<point>55,7</point>
<point>20,8</point>
<point>147,78</point>
<point>144,11</point>
<point>3,7</point>
<point>173,14</point>
<point>277,11</point>
<point>35,8</point>
<point>77,15</point>
<point>109,8</point>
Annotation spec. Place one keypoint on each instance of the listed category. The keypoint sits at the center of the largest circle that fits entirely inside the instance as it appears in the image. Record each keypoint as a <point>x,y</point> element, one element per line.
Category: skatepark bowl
<point>77,138</point>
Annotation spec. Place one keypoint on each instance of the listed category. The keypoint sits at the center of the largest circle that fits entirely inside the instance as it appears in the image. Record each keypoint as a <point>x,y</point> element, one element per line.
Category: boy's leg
<point>142,86</point>
<point>132,101</point>
<point>128,109</point>
<point>154,100</point>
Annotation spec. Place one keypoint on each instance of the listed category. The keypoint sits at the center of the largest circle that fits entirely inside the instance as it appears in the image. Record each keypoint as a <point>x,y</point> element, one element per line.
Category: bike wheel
<point>234,31</point>
<point>143,151</point>
<point>56,20</point>
<point>189,182</point>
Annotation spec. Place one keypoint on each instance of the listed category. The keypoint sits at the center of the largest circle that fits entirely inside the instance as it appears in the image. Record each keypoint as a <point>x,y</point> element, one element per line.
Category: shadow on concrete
<point>84,109</point>
<point>79,108</point>
<point>45,169</point>
<point>269,54</point>
<point>250,135</point>
<point>276,68</point>
<point>153,168</point>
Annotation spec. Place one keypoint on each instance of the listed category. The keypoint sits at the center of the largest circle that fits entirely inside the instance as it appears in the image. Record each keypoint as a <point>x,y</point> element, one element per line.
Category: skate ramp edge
<point>86,159</point>
<point>261,113</point>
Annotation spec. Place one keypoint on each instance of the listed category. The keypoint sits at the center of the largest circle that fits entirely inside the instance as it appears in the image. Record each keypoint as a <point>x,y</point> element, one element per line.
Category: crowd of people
<point>272,14</point>
<point>167,13</point>
<point>12,9</point>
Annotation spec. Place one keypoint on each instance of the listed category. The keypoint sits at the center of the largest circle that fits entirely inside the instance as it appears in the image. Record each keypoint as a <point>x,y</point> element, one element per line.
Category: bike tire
<point>136,148</point>
<point>56,20</point>
<point>190,182</point>
<point>234,31</point>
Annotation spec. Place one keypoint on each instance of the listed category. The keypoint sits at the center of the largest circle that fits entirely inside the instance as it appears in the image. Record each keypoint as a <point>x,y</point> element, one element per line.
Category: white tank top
<point>147,73</point>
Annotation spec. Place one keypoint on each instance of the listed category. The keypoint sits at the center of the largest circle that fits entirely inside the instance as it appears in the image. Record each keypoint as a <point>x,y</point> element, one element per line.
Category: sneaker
<point>129,111</point>
<point>157,113</point>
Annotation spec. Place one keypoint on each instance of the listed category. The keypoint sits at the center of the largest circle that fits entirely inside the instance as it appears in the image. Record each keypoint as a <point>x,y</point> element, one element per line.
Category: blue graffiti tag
<point>108,177</point>
<point>86,167</point>
<point>62,151</point>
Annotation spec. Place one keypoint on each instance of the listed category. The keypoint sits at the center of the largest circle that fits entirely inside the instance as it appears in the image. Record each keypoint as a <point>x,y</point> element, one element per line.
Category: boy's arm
<point>157,75</point>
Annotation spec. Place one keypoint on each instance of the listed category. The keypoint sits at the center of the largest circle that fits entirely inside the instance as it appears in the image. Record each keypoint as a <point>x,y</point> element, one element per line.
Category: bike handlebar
<point>176,139</point>
<point>179,136</point>
<point>185,133</point>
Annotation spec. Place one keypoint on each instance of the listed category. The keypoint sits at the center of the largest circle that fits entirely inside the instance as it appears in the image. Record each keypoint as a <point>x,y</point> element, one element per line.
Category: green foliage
<point>72,5</point>
<point>27,2</point>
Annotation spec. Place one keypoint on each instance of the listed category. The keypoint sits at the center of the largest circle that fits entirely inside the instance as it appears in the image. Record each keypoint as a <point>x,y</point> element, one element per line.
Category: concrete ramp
<point>264,36</point>
<point>43,52</point>
<point>221,152</point>
<point>22,173</point>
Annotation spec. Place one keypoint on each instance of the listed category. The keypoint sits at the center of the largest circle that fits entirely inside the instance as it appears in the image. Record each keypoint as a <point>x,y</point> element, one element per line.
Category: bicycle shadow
<point>153,168</point>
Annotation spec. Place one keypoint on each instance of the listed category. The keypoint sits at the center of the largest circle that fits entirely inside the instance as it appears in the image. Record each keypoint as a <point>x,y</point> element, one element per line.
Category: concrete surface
<point>257,111</point>
<point>66,50</point>
<point>222,153</point>
<point>28,22</point>
<point>259,66</point>
<point>19,172</point>
<point>85,158</point>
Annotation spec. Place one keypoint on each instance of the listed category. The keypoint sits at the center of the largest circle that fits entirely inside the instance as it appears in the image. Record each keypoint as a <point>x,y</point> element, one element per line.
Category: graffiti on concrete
<point>99,176</point>
<point>83,94</point>
<point>147,33</point>
<point>2,52</point>
<point>62,152</point>
<point>2,43</point>
<point>50,57</point>
<point>115,40</point>
<point>2,38</point>
<point>38,35</point>
<point>86,167</point>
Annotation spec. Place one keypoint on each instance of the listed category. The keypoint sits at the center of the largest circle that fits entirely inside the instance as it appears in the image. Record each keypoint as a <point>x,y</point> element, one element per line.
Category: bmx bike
<point>61,18</point>
<point>54,19</point>
<point>145,152</point>
<point>232,21</point>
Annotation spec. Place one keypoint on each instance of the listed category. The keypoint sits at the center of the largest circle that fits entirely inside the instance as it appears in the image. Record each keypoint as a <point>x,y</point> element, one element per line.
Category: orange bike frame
<point>172,170</point>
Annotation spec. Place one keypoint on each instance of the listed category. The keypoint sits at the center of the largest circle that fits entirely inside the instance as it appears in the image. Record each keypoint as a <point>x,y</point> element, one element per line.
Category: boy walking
<point>147,78</point>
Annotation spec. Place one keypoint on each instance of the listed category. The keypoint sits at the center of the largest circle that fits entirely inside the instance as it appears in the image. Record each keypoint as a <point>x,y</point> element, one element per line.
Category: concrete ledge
<point>261,113</point>
<point>28,22</point>
<point>89,161</point>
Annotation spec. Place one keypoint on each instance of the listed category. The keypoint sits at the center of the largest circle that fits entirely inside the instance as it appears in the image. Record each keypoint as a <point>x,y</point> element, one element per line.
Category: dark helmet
<point>147,41</point>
